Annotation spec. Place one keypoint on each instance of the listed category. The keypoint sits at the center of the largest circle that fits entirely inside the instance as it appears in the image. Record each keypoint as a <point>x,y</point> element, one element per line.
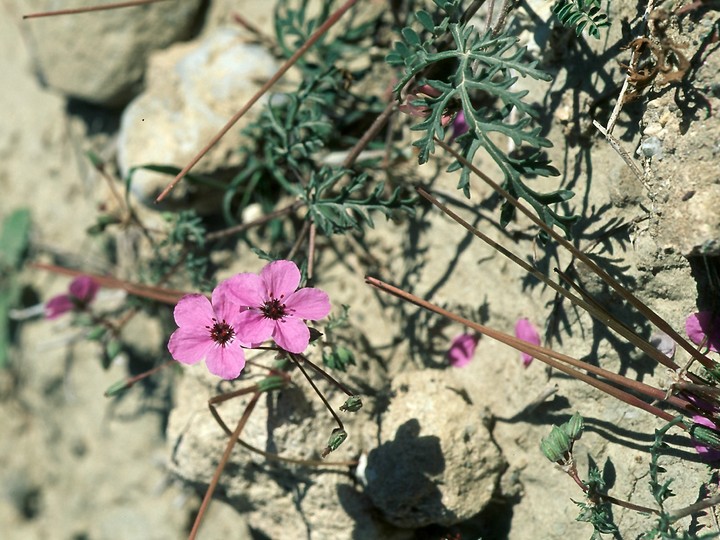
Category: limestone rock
<point>277,497</point>
<point>437,462</point>
<point>193,89</point>
<point>101,56</point>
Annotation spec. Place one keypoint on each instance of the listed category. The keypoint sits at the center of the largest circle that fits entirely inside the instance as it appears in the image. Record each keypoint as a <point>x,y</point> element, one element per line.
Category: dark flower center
<point>221,332</point>
<point>274,309</point>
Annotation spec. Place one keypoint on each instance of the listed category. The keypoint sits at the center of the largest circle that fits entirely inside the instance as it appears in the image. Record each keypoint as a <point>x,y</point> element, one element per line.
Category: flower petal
<point>291,334</point>
<point>702,324</point>
<point>189,345</point>
<point>462,349</point>
<point>663,343</point>
<point>224,305</point>
<point>281,278</point>
<point>708,453</point>
<point>308,303</point>
<point>58,305</point>
<point>245,290</point>
<point>84,288</point>
<point>525,330</point>
<point>253,327</point>
<point>226,362</point>
<point>194,310</point>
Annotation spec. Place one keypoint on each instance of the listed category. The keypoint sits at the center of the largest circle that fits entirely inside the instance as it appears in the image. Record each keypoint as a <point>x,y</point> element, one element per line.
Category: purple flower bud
<point>462,350</point>
<point>703,325</point>
<point>525,330</point>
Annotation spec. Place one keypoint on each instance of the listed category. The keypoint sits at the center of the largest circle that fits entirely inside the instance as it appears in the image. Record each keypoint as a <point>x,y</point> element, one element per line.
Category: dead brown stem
<point>653,317</point>
<point>556,360</point>
<point>75,11</point>
<point>335,17</point>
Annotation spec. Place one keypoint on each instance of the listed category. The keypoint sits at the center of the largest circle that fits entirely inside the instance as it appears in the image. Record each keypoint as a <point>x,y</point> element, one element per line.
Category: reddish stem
<point>75,11</point>
<point>555,360</point>
<point>223,461</point>
<point>160,294</point>
<point>335,17</point>
<point>653,317</point>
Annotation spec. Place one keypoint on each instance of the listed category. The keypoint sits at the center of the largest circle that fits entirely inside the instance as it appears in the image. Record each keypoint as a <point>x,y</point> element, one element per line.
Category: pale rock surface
<point>277,497</point>
<point>193,89</point>
<point>436,461</point>
<point>101,56</point>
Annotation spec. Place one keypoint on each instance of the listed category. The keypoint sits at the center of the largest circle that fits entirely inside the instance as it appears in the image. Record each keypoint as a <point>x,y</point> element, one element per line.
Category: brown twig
<point>559,361</point>
<point>223,461</point>
<point>653,317</point>
<point>332,19</point>
<point>254,223</point>
<point>593,309</point>
<point>75,11</point>
<point>160,294</point>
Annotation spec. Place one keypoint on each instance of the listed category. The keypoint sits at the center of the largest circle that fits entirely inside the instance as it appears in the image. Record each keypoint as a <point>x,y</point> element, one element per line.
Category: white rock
<point>193,89</point>
<point>101,56</point>
<point>436,462</point>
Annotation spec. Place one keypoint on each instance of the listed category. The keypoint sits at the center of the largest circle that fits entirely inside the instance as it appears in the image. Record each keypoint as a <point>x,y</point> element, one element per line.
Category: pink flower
<point>706,452</point>
<point>208,330</point>
<point>462,349</point>
<point>663,343</point>
<point>525,330</point>
<point>271,307</point>
<point>81,292</point>
<point>700,325</point>
<point>418,94</point>
<point>459,125</point>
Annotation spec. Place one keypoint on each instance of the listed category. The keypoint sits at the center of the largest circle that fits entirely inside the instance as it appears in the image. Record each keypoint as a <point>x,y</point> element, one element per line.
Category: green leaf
<point>339,358</point>
<point>581,14</point>
<point>14,239</point>
<point>426,20</point>
<point>484,65</point>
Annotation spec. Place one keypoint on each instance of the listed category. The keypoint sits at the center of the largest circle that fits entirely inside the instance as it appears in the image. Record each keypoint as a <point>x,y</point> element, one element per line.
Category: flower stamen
<point>221,332</point>
<point>274,309</point>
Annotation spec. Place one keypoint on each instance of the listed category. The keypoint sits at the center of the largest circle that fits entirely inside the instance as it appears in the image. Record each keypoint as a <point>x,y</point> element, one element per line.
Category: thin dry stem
<point>615,144</point>
<point>223,461</point>
<point>332,19</point>
<point>555,359</point>
<point>595,310</point>
<point>159,294</point>
<point>653,317</point>
<point>212,402</point>
<point>621,98</point>
<point>254,223</point>
<point>297,360</point>
<point>75,11</point>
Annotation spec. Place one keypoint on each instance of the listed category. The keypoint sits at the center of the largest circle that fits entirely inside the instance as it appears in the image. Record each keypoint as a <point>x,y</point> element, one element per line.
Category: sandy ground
<point>75,465</point>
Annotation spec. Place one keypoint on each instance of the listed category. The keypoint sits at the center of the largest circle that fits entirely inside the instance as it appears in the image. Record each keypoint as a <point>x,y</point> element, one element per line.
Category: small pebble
<point>651,147</point>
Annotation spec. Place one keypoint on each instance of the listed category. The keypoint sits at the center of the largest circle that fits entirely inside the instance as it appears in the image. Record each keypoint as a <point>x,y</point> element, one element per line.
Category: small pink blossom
<point>270,306</point>
<point>419,93</point>
<point>525,330</point>
<point>459,125</point>
<point>81,292</point>
<point>208,331</point>
<point>663,343</point>
<point>462,349</point>
<point>706,452</point>
<point>700,325</point>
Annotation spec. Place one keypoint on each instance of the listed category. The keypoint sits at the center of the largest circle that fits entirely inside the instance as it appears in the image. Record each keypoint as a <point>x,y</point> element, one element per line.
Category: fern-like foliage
<point>599,513</point>
<point>582,14</point>
<point>337,208</point>
<point>473,65</point>
<point>295,23</point>
<point>184,246</point>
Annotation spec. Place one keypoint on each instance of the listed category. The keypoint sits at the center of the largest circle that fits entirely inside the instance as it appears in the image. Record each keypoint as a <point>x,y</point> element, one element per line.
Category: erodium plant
<point>474,71</point>
<point>320,163</point>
